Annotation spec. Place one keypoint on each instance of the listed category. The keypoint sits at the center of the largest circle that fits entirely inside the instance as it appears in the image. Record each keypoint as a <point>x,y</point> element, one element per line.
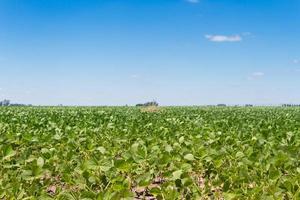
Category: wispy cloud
<point>135,76</point>
<point>256,75</point>
<point>224,38</point>
<point>193,1</point>
<point>296,61</point>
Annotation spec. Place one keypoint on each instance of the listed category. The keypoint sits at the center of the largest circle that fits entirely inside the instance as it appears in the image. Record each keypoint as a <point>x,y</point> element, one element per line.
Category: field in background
<point>168,153</point>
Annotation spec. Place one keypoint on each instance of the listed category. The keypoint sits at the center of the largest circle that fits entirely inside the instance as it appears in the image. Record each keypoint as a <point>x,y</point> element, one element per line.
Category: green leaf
<point>8,152</point>
<point>189,157</point>
<point>92,179</point>
<point>40,162</point>
<point>168,148</point>
<point>177,174</point>
<point>229,196</point>
<point>239,154</point>
<point>57,137</point>
<point>135,147</point>
<point>181,139</point>
<point>101,149</point>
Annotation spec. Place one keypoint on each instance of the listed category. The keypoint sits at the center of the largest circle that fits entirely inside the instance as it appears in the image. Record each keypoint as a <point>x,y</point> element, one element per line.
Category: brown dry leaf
<point>51,190</point>
<point>199,179</point>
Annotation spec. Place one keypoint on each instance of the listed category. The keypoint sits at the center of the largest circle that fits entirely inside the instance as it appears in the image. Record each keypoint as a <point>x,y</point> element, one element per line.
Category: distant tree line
<point>150,103</point>
<point>6,102</point>
<point>224,105</point>
<point>251,105</point>
<point>290,105</point>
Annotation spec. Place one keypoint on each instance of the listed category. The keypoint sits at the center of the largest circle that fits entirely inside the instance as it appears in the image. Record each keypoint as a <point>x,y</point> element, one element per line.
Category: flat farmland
<point>162,153</point>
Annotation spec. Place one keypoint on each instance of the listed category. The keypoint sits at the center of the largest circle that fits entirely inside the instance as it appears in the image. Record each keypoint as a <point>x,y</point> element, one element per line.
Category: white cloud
<point>193,1</point>
<point>256,75</point>
<point>224,38</point>
<point>135,76</point>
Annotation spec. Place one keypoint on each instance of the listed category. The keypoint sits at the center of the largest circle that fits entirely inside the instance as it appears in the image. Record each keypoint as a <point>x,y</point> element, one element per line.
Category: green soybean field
<point>163,153</point>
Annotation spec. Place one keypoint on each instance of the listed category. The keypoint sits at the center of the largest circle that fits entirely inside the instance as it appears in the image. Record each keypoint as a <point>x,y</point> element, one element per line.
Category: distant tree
<point>5,102</point>
<point>150,103</point>
<point>221,105</point>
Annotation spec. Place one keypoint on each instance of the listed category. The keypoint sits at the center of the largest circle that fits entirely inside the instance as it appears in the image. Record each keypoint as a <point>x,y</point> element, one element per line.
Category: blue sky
<point>178,52</point>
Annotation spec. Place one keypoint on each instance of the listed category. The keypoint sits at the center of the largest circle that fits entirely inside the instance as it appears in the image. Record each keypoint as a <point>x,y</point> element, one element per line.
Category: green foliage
<point>122,153</point>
